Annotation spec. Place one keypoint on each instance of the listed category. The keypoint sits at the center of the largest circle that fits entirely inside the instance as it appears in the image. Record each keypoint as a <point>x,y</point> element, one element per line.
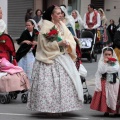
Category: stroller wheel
<point>85,99</point>
<point>8,98</point>
<point>24,98</point>
<point>14,96</point>
<point>90,59</point>
<point>89,98</point>
<point>3,99</point>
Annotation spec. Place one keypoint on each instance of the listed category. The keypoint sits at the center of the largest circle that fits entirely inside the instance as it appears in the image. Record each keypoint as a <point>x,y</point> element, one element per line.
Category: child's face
<point>29,26</point>
<point>107,54</point>
<point>0,14</point>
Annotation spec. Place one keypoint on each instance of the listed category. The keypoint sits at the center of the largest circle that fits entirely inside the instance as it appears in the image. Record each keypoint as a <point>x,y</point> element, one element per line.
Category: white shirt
<point>91,16</point>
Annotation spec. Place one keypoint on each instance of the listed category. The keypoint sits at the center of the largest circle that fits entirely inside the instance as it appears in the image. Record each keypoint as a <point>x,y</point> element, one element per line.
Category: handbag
<point>82,71</point>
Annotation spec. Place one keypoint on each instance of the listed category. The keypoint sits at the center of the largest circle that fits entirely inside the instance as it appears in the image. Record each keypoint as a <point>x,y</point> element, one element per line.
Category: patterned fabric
<point>52,89</point>
<point>26,63</point>
<point>99,100</point>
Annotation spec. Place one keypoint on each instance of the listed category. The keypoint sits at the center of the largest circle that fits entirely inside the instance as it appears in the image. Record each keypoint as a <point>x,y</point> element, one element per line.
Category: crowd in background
<point>55,83</point>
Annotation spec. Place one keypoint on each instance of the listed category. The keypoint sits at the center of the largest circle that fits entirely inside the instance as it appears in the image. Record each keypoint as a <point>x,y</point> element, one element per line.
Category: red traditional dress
<point>106,93</point>
<point>79,55</point>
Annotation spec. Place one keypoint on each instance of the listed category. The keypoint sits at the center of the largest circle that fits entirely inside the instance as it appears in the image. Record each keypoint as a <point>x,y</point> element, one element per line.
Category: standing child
<point>106,83</point>
<point>26,52</point>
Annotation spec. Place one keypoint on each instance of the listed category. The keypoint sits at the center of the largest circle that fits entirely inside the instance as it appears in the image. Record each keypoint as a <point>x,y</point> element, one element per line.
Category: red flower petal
<point>112,59</point>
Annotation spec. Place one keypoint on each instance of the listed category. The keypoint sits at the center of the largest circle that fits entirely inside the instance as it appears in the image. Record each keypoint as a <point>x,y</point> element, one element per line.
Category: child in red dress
<point>106,83</point>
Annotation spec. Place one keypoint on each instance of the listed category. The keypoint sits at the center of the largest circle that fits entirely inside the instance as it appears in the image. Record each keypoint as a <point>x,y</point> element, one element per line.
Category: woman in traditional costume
<point>56,85</point>
<point>78,22</point>
<point>116,45</point>
<point>70,23</point>
<point>106,83</point>
<point>68,20</point>
<point>25,55</point>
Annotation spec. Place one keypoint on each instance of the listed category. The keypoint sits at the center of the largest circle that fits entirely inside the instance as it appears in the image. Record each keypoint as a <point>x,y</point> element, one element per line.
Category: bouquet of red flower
<point>53,36</point>
<point>112,61</point>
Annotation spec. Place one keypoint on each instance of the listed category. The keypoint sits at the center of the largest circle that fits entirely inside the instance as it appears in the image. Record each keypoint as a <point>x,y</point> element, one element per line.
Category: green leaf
<point>59,39</point>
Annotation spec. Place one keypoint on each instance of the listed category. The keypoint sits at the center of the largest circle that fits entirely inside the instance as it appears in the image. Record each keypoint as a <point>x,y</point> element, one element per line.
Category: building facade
<point>14,10</point>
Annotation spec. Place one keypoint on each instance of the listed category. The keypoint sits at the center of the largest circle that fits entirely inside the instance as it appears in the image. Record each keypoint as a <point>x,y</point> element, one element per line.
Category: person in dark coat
<point>37,17</point>
<point>111,29</point>
<point>28,14</point>
<point>25,55</point>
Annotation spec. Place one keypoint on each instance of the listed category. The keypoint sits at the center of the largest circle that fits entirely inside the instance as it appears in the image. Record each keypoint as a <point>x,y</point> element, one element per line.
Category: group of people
<point>49,56</point>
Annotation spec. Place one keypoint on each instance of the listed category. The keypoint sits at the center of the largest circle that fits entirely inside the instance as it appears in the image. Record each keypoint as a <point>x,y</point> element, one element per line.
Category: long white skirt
<point>26,63</point>
<point>52,89</point>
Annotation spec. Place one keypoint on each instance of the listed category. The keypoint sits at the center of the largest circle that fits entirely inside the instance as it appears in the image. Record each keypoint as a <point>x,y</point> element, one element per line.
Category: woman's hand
<point>63,43</point>
<point>34,43</point>
<point>76,38</point>
<point>27,42</point>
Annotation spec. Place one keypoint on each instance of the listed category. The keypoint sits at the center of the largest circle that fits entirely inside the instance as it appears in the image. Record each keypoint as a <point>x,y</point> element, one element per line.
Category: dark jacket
<point>37,19</point>
<point>116,42</point>
<point>112,32</point>
<point>24,48</point>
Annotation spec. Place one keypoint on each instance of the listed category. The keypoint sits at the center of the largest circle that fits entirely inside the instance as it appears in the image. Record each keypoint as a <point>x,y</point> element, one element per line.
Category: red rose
<point>37,33</point>
<point>112,59</point>
<point>53,32</point>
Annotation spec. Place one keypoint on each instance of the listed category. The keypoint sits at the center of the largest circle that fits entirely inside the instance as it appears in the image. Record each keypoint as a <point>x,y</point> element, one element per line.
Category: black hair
<point>108,49</point>
<point>48,12</point>
<point>112,20</point>
<point>119,20</point>
<point>92,6</point>
<point>30,21</point>
<point>29,10</point>
<point>37,11</point>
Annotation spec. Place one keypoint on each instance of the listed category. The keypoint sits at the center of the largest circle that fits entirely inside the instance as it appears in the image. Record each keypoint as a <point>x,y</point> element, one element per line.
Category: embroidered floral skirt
<point>52,89</point>
<point>99,100</point>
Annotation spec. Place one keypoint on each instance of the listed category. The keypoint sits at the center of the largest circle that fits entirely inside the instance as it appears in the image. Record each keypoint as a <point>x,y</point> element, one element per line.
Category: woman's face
<point>56,15</point>
<point>39,13</point>
<point>74,14</point>
<point>29,26</point>
<point>111,22</point>
<point>107,54</point>
<point>101,14</point>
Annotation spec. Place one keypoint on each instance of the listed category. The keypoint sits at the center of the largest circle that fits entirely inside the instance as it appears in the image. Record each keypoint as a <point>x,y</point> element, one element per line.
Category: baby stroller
<point>9,87</point>
<point>88,41</point>
<point>87,96</point>
<point>83,74</point>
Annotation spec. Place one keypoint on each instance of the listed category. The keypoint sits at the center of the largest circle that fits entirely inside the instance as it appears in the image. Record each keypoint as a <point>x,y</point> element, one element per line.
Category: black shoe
<point>116,115</point>
<point>106,114</point>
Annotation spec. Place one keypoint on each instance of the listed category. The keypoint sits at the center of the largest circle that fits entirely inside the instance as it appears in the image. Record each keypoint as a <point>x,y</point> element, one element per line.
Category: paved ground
<point>16,110</point>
